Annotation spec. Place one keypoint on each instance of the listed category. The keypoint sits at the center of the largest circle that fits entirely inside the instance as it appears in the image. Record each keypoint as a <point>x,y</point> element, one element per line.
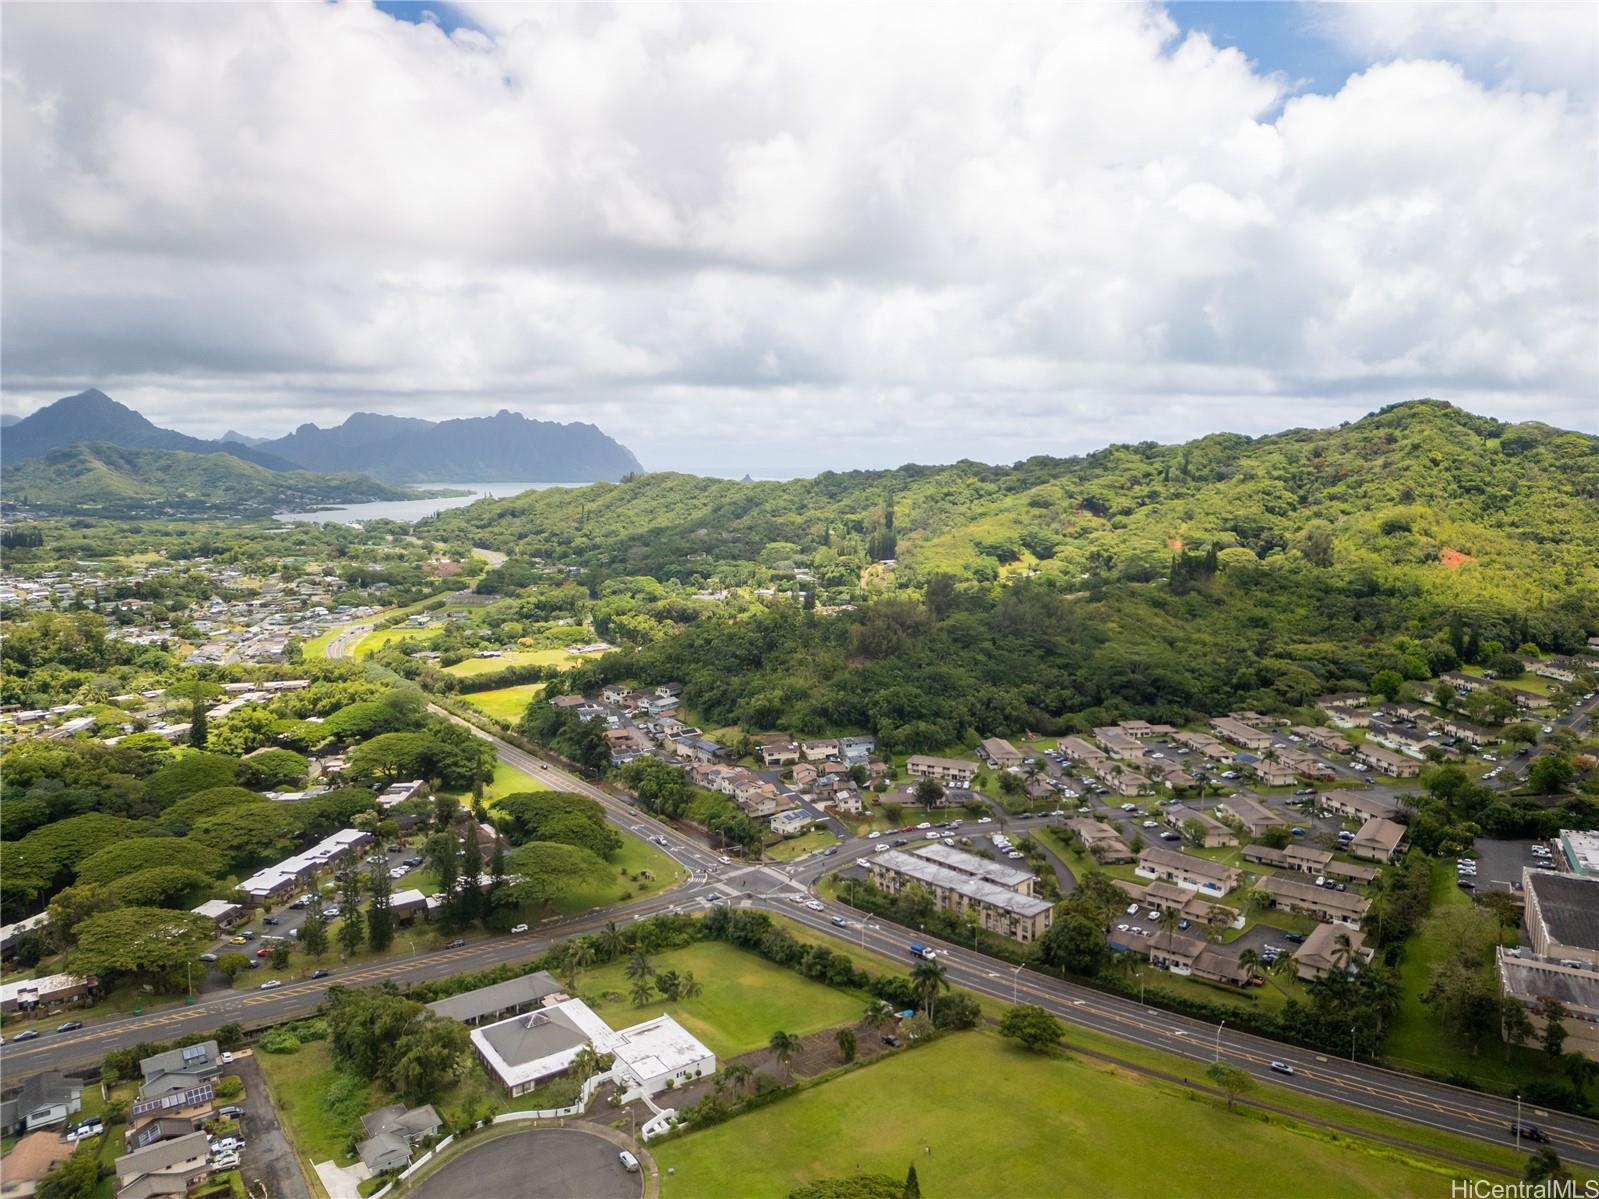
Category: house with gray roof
<point>500,1000</point>
<point>44,1100</point>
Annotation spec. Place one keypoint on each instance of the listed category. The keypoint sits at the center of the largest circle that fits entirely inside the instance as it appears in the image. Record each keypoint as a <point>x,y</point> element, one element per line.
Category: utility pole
<point>1219,1027</point>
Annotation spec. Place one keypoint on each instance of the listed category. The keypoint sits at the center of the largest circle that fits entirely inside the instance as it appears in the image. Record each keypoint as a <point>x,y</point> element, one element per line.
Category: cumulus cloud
<point>780,238</point>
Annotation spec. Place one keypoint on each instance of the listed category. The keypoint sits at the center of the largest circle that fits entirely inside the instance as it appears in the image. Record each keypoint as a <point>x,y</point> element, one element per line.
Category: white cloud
<point>780,238</point>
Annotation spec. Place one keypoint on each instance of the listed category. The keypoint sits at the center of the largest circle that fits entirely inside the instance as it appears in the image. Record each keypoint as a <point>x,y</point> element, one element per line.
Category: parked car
<point>238,940</point>
<point>269,920</point>
<point>629,1162</point>
<point>208,957</point>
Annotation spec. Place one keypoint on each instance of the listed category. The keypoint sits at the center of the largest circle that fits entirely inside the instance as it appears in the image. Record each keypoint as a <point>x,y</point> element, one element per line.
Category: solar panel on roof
<point>194,1053</point>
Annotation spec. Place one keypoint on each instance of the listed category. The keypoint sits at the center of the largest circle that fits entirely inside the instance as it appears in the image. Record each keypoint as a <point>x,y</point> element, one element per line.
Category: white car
<point>925,824</point>
<point>873,835</point>
<point>863,861</point>
<point>271,984</point>
<point>1150,824</point>
<point>881,848</point>
<point>1132,909</point>
<point>520,928</point>
<point>796,899</point>
<point>224,1161</point>
<point>1548,728</point>
<point>725,860</point>
<point>226,1058</point>
<point>815,906</point>
<point>985,820</point>
<point>1121,928</point>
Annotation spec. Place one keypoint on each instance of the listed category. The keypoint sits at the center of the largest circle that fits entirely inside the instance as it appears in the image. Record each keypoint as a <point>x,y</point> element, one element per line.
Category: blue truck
<point>921,951</point>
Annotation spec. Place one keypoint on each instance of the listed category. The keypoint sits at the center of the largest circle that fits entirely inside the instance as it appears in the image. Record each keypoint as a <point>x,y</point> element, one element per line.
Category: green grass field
<point>515,657</point>
<point>635,855</point>
<point>746,999</point>
<point>504,703</point>
<point>372,642</point>
<point>1000,1121</point>
<point>810,841</point>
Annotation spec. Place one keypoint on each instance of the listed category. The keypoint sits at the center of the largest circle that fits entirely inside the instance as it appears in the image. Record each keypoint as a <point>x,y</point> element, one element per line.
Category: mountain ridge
<point>96,476</point>
<point>505,446</point>
<point>93,416</point>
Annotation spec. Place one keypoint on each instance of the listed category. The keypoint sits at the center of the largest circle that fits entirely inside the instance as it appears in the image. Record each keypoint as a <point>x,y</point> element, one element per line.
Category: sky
<point>778,239</point>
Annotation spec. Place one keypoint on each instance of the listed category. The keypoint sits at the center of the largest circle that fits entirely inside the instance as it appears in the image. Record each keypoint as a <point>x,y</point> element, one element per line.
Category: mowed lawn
<point>515,657</point>
<point>372,642</point>
<point>504,703</point>
<point>745,1000</point>
<point>635,855</point>
<point>1001,1121</point>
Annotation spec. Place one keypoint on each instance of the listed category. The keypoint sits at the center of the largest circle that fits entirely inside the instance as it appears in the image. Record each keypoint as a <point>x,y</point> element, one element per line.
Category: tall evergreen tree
<point>379,916</point>
<point>197,726</point>
<point>470,892</point>
<point>352,929</point>
<point>314,930</point>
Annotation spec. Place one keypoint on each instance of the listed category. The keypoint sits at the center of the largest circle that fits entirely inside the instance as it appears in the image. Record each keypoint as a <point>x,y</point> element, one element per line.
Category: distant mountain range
<point>109,479</point>
<point>504,447</point>
<point>94,416</point>
<point>7,419</point>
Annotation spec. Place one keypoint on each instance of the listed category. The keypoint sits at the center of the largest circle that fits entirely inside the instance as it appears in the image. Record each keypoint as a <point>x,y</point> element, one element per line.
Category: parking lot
<point>1499,863</point>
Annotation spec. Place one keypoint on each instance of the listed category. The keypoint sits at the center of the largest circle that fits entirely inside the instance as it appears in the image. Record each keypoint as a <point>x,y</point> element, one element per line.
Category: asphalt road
<point>1398,1095</point>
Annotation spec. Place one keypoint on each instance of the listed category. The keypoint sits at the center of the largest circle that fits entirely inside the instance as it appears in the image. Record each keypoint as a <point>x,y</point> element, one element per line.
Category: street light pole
<point>1351,1042</point>
<point>1219,1027</point>
<point>1015,978</point>
<point>1518,1121</point>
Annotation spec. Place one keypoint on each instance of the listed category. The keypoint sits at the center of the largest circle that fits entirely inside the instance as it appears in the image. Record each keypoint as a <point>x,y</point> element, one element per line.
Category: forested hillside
<point>1457,504</point>
<point>1147,580</point>
<point>96,476</point>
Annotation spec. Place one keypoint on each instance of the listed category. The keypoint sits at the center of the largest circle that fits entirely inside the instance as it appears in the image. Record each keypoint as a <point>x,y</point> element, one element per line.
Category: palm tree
<point>1170,918</point>
<point>638,966</point>
<point>585,1064</point>
<point>1281,965</point>
<point>579,956</point>
<point>1250,961</point>
<point>613,941</point>
<point>1343,951</point>
<point>783,1045</point>
<point>643,991</point>
<point>688,987</point>
<point>927,980</point>
<point>877,1014</point>
<point>737,1074</point>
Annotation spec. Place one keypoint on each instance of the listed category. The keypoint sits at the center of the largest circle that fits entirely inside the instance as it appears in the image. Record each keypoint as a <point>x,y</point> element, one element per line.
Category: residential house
<point>165,1168</point>
<point>1476,735</point>
<point>805,775</point>
<point>173,1115</point>
<point>1205,745</point>
<point>1241,734</point>
<point>1378,840</point>
<point>944,770</point>
<point>1188,871</point>
<point>1253,815</point>
<point>1327,948</point>
<point>1324,903</point>
<point>1184,955</point>
<point>795,820</point>
<point>848,803</point>
<point>1001,753</point>
<point>820,751</point>
<point>183,1069</point>
<point>1352,805</point>
<point>1212,833</point>
<point>780,753</point>
<point>43,1101</point>
<point>1161,897</point>
<point>1100,840</point>
<point>857,751</point>
<point>1270,771</point>
<point>1329,741</point>
<point>392,1132</point>
<point>1118,744</point>
<point>1388,762</point>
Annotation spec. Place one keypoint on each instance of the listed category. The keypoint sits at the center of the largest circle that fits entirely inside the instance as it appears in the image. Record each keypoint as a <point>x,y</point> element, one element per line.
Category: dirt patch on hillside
<point>1453,559</point>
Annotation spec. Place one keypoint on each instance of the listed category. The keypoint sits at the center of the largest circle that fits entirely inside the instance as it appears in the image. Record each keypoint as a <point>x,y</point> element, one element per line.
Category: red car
<point>262,953</point>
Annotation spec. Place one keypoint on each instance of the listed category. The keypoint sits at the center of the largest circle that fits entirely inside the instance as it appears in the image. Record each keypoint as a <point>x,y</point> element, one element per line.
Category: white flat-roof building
<point>535,1046</point>
<point>275,880</point>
